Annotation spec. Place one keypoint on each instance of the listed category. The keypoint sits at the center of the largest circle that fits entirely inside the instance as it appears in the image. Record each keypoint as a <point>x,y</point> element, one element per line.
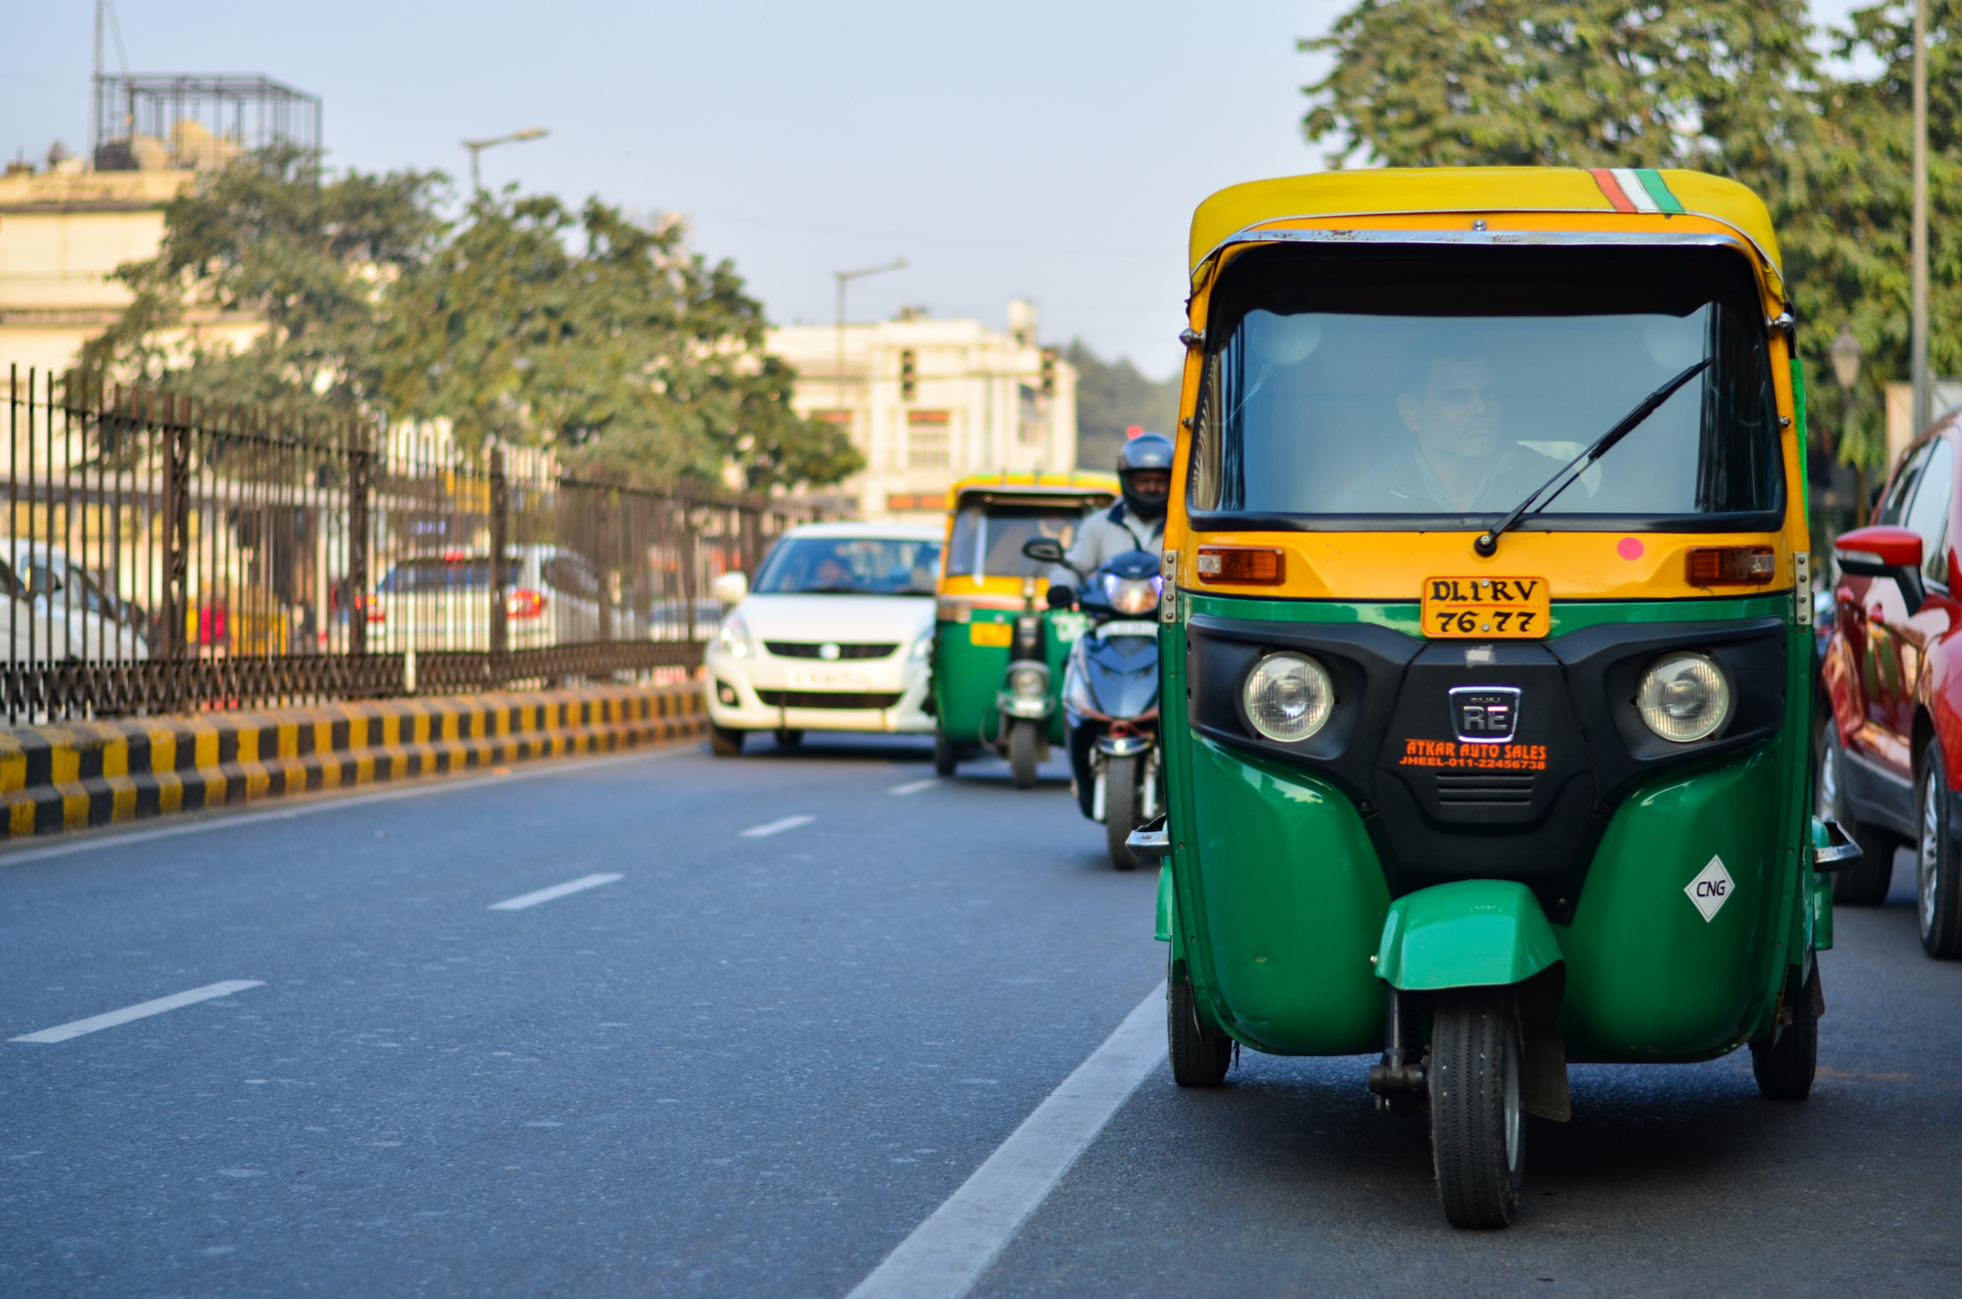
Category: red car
<point>1890,765</point>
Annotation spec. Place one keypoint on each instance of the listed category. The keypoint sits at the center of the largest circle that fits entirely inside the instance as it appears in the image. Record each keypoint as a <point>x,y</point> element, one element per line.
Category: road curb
<point>79,775</point>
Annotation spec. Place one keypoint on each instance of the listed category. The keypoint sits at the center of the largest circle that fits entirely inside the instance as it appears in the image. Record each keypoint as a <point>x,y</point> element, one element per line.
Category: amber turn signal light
<point>1258,565</point>
<point>1731,566</point>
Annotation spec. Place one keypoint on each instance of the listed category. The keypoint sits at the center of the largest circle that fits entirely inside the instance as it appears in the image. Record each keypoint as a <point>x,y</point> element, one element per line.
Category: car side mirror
<point>1044,550</point>
<point>731,587</point>
<point>1884,551</point>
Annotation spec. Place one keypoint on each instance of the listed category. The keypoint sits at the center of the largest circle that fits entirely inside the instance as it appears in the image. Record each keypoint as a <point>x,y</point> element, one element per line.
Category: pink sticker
<point>1629,548</point>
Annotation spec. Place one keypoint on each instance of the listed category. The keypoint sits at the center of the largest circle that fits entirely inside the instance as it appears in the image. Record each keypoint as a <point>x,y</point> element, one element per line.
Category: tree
<point>1111,397</point>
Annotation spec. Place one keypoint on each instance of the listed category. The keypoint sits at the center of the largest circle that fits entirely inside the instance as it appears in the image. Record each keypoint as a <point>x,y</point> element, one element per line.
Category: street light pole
<point>844,278</point>
<point>1918,343</point>
<point>478,146</point>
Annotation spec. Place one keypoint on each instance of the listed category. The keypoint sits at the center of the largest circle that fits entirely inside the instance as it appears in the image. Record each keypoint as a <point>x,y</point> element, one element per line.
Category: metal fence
<point>162,555</point>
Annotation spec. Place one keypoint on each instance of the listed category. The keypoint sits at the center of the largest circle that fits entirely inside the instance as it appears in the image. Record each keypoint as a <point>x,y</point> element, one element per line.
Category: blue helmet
<point>1147,451</point>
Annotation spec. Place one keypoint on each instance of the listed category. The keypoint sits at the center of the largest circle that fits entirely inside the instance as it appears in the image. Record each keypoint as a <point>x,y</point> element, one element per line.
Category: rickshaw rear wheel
<point>1478,1127</point>
<point>726,742</point>
<point>1198,1061</point>
<point>1867,884</point>
<point>1120,808</point>
<point>945,756</point>
<point>1023,742</point>
<point>1784,1067</point>
<point>1938,871</point>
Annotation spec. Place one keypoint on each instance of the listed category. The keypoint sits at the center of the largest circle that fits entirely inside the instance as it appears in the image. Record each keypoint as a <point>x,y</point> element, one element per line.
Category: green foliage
<point>1111,396</point>
<point>524,323</point>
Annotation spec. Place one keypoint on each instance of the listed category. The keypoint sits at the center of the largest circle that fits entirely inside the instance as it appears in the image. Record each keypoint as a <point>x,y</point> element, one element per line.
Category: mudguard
<point>1465,934</point>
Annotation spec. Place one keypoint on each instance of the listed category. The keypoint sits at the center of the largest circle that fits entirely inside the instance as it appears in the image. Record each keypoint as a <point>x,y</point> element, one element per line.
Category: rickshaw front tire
<point>1478,1122</point>
<point>726,742</point>
<point>1785,1066</point>
<point>1198,1060</point>
<point>945,756</point>
<point>1120,808</point>
<point>1024,743</point>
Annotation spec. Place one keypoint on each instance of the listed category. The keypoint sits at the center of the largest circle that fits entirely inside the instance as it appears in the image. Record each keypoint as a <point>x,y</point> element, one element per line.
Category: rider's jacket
<point>1104,537</point>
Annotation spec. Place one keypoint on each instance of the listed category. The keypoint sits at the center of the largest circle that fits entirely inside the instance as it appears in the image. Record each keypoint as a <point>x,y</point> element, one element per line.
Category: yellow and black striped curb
<point>63,778</point>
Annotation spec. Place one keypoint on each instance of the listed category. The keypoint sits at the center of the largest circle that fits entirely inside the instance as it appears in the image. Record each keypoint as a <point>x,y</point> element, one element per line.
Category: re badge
<point>1710,890</point>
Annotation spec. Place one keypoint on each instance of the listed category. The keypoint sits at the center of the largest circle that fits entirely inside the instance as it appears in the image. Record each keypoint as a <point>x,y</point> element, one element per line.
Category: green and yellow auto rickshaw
<point>1485,646</point>
<point>998,651</point>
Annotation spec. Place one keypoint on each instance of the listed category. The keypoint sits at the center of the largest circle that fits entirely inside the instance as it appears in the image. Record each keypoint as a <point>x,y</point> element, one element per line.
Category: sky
<point>1052,151</point>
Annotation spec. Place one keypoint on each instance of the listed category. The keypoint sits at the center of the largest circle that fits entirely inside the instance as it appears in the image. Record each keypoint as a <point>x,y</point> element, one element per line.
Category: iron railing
<point>162,554</point>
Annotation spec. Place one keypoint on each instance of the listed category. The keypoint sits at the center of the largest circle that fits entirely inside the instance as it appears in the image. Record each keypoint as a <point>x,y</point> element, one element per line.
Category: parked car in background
<point>54,609</point>
<point>835,634</point>
<point>441,601</point>
<point>1890,759</point>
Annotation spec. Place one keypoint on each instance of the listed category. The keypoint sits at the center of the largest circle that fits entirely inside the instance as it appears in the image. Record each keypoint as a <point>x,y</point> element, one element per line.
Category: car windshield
<point>446,573</point>
<point>1385,387</point>
<point>850,566</point>
<point>988,540</point>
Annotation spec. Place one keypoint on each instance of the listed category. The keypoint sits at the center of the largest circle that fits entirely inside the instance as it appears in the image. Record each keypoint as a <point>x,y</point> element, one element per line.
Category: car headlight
<point>1028,681</point>
<point>1684,697</point>
<point>733,636</point>
<point>1131,595</point>
<point>923,648</point>
<point>1289,697</point>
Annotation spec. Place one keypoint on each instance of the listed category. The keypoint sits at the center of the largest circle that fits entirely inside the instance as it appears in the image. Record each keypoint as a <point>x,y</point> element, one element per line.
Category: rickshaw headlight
<point>1684,697</point>
<point>1289,697</point>
<point>1028,681</point>
<point>1131,595</point>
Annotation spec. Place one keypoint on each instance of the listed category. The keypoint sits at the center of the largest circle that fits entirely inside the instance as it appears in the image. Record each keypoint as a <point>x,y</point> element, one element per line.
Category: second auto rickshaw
<point>1486,651</point>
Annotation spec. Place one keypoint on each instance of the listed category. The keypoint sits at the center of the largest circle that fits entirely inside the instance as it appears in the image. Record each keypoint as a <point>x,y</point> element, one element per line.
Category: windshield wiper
<point>1488,542</point>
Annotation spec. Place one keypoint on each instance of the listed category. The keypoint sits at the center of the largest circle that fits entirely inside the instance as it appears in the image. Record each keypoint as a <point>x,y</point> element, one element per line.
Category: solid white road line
<point>946,1255</point>
<point>537,896</point>
<point>914,787</point>
<point>779,825</point>
<point>157,1006</point>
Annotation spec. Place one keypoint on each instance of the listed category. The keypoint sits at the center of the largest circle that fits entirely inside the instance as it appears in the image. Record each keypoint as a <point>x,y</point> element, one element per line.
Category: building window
<point>928,445</point>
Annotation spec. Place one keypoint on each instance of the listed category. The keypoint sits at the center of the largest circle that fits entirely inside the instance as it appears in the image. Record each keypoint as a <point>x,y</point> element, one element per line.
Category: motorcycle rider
<point>1137,523</point>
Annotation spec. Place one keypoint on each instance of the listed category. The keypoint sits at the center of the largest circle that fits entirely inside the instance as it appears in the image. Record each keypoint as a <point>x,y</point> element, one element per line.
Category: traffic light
<point>909,375</point>
<point>1049,372</point>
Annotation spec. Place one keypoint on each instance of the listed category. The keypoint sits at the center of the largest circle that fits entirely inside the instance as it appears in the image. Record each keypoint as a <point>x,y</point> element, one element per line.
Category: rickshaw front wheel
<point>1784,1067</point>
<point>1478,1127</point>
<point>1197,1060</point>
<point>945,756</point>
<point>1023,742</point>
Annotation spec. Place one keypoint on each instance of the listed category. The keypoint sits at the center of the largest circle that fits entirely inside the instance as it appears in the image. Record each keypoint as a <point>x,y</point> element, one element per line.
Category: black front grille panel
<point>1481,791</point>
<point>812,649</point>
<point>829,699</point>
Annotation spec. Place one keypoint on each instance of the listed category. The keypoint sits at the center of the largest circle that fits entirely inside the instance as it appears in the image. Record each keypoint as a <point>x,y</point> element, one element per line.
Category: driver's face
<point>1151,482</point>
<point>830,571</point>
<point>1458,412</point>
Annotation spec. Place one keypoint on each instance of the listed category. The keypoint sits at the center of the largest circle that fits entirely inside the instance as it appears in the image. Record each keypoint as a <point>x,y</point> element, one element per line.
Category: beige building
<point>929,402</point>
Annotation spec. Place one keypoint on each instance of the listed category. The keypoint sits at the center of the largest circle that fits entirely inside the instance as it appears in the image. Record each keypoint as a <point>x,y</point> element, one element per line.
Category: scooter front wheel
<point>1120,808</point>
<point>1477,1123</point>
<point>1023,745</point>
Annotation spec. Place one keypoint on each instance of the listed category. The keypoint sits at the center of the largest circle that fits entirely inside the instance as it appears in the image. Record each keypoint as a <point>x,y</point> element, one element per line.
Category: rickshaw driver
<point>1450,400</point>
<point>1137,523</point>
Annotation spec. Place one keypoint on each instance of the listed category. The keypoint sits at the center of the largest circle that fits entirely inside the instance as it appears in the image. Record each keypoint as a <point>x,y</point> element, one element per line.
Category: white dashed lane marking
<point>154,1007</point>
<point>778,826</point>
<point>914,787</point>
<point>538,896</point>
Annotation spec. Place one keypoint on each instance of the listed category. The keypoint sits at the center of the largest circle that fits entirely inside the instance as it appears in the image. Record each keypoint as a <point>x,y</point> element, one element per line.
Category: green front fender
<point>1465,934</point>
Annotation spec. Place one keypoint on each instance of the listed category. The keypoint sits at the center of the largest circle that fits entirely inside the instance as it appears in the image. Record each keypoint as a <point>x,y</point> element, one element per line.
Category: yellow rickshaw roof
<point>1639,192</point>
<point>1083,480</point>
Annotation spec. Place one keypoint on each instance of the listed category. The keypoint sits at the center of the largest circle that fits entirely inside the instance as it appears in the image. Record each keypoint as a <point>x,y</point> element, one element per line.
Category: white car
<point>833,635</point>
<point>441,601</point>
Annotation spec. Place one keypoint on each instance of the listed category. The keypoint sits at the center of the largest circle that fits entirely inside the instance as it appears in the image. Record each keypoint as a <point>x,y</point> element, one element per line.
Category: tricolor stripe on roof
<point>1635,189</point>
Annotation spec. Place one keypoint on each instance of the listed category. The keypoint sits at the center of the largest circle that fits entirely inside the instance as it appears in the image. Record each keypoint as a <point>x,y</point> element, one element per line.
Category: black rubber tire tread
<point>1197,1061</point>
<point>1937,870</point>
<point>1474,1054</point>
<point>1120,808</point>
<point>726,742</point>
<point>789,737</point>
<point>1867,884</point>
<point>1784,1068</point>
<point>946,756</point>
<point>1024,743</point>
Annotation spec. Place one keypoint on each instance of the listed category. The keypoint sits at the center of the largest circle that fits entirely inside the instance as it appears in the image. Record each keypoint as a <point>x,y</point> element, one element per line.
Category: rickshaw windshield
<point>1397,387</point>
<point>988,540</point>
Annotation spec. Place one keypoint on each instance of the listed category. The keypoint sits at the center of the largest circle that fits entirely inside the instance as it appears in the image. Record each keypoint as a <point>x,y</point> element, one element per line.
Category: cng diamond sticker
<point>1711,889</point>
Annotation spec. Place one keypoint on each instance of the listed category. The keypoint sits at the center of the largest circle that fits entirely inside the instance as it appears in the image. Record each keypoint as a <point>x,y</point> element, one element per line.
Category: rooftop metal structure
<point>141,121</point>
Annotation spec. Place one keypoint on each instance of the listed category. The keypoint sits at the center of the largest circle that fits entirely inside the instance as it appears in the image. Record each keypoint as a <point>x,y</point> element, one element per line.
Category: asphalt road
<point>752,1064</point>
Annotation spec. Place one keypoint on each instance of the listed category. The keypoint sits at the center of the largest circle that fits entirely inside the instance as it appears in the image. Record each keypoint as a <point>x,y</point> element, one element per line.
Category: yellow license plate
<point>1486,607</point>
<point>996,634</point>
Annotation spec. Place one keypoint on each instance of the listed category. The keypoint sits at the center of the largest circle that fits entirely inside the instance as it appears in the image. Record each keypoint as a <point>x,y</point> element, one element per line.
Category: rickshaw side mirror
<point>1044,550</point>
<point>1884,551</point>
<point>730,587</point>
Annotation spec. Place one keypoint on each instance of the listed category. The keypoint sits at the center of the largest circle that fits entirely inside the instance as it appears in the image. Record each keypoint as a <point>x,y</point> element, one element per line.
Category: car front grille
<point>829,699</point>
<point>846,650</point>
<point>1488,790</point>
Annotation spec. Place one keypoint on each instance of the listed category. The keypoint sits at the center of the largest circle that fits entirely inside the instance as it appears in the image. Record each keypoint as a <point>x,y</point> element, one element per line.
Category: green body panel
<point>966,677</point>
<point>1164,930</point>
<point>1271,862</point>
<point>1463,935</point>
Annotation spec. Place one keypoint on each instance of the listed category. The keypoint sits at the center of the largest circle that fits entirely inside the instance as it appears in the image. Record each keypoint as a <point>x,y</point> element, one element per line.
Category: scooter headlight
<point>733,636</point>
<point>1289,697</point>
<point>1131,595</point>
<point>1684,697</point>
<point>1028,681</point>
